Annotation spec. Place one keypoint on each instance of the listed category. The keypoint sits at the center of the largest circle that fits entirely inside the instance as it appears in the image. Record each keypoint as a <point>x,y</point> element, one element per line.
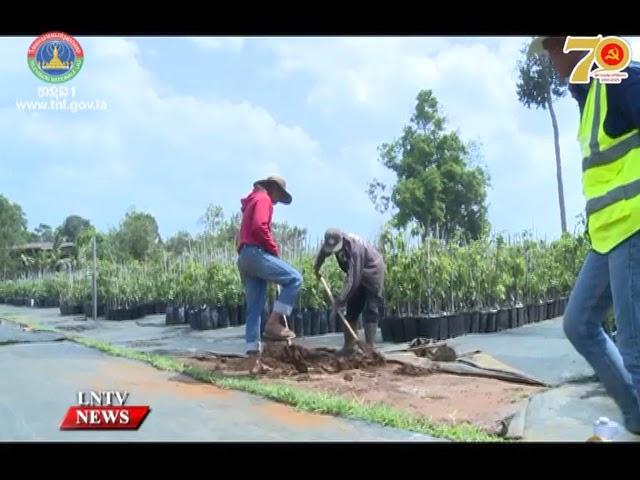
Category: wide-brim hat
<point>536,47</point>
<point>280,183</point>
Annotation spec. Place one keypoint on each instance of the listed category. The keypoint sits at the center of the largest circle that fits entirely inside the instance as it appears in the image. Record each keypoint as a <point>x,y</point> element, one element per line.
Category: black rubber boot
<point>350,344</point>
<point>370,332</point>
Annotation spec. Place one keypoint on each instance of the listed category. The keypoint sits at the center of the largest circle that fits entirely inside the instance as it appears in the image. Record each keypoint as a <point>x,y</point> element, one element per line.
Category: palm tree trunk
<point>556,140</point>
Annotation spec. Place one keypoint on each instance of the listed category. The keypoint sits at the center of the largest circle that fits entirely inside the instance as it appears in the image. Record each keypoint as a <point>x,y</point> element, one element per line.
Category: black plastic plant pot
<point>117,314</point>
<point>194,319</point>
<point>295,320</point>
<point>410,327</point>
<point>429,327</point>
<point>169,317</point>
<point>314,322</point>
<point>513,317</point>
<point>233,316</point>
<point>323,322</point>
<point>443,327</point>
<point>456,325</point>
<point>549,312</point>
<point>532,312</point>
<point>542,312</point>
<point>466,316</point>
<point>386,329</point>
<point>331,326</point>
<point>563,306</point>
<point>180,314</point>
<point>492,321</point>
<point>207,318</point>
<point>214,316</point>
<point>223,317</point>
<point>475,322</point>
<point>161,307</point>
<point>331,322</point>
<point>502,320</point>
<point>242,314</point>
<point>397,329</point>
<point>202,321</point>
<point>483,321</point>
<point>559,307</point>
<point>520,316</point>
<point>306,322</point>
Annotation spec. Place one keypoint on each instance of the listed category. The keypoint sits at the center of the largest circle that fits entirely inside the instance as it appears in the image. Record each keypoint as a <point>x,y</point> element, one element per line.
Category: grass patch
<point>315,402</point>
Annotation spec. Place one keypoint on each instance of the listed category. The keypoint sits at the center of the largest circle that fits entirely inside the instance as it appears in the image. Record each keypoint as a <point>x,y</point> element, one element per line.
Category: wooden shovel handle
<point>333,303</point>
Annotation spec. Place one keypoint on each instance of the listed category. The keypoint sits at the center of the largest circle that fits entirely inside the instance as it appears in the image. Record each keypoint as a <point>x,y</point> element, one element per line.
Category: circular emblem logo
<point>613,54</point>
<point>55,57</point>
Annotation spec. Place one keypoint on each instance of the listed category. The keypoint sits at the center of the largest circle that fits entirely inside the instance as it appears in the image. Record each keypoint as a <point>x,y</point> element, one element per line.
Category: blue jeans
<point>258,267</point>
<point>606,281</point>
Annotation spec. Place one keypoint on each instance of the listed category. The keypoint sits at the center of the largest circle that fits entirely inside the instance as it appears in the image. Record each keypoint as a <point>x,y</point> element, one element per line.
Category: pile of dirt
<point>306,360</point>
<point>282,359</point>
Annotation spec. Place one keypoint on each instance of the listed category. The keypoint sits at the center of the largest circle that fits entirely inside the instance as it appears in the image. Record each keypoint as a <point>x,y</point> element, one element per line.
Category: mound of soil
<point>282,359</point>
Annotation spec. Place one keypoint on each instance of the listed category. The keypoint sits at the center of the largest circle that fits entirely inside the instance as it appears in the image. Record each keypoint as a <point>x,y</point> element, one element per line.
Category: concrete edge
<point>517,424</point>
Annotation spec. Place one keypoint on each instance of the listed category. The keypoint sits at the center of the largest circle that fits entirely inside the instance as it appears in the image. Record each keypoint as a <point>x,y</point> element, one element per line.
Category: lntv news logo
<point>104,411</point>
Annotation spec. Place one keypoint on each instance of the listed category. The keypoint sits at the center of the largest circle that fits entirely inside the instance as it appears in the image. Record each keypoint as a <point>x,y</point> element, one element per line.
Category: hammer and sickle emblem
<point>614,54</point>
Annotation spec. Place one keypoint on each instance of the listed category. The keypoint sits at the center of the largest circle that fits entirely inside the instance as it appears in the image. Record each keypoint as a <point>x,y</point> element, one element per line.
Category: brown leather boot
<point>275,330</point>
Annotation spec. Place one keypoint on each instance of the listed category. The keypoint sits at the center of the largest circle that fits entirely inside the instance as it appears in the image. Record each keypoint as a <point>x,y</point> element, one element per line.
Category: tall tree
<point>179,243</point>
<point>138,235</point>
<point>13,230</point>
<point>73,226</point>
<point>437,186</point>
<point>212,219</point>
<point>538,85</point>
<point>44,232</point>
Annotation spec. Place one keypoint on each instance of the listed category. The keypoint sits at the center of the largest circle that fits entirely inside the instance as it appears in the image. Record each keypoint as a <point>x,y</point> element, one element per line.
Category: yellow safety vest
<point>610,175</point>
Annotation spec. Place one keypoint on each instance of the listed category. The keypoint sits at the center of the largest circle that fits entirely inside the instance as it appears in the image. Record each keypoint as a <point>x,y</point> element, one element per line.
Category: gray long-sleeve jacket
<point>362,263</point>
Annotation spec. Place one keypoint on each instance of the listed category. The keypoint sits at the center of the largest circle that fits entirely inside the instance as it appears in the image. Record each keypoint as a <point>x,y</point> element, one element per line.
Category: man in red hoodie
<point>259,263</point>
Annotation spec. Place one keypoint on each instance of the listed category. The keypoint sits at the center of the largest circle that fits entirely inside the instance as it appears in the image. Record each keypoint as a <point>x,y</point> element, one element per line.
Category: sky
<point>194,121</point>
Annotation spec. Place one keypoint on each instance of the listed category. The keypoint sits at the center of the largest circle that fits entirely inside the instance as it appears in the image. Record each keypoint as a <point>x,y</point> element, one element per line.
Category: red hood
<point>255,228</point>
<point>251,198</point>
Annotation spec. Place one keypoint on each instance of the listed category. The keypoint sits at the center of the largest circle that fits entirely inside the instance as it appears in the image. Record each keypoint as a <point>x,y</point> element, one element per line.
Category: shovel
<point>333,304</point>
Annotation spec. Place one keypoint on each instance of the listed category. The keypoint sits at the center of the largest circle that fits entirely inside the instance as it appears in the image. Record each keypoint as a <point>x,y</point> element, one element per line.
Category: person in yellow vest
<point>609,136</point>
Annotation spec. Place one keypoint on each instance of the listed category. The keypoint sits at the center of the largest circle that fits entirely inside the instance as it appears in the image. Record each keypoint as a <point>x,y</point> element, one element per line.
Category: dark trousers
<point>365,302</point>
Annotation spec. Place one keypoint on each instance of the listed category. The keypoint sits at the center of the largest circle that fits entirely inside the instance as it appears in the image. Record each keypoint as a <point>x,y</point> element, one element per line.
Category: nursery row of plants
<point>424,280</point>
<point>451,325</point>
